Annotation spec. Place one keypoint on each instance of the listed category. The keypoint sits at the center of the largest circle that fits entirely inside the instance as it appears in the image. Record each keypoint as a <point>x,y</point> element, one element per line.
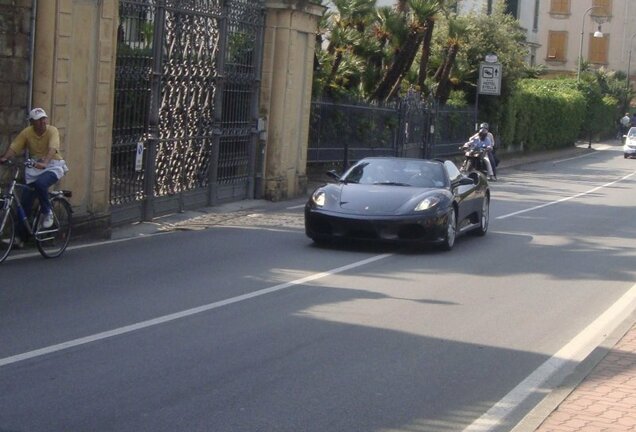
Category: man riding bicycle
<point>41,142</point>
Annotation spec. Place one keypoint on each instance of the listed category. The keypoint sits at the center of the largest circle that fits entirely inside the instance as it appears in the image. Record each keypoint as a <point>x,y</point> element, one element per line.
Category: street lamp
<point>597,34</point>
<point>629,62</point>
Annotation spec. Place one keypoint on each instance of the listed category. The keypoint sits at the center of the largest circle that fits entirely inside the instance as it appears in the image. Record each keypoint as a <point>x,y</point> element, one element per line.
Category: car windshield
<point>632,132</point>
<point>397,172</point>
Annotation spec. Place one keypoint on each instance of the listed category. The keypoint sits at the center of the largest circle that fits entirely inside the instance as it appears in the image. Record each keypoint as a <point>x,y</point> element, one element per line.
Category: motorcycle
<point>473,158</point>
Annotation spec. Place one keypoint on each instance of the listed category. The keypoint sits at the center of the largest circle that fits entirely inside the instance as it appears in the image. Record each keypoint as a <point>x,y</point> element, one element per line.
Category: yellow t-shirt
<point>38,146</point>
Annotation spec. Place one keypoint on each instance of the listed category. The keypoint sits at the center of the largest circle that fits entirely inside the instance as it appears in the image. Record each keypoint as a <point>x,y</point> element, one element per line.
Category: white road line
<point>186,313</point>
<point>568,356</point>
<point>565,199</point>
<point>296,207</point>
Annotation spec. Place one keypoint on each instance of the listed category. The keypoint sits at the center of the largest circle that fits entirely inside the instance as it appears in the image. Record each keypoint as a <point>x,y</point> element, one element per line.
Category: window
<point>560,6</point>
<point>535,21</point>
<point>557,41</point>
<point>512,8</point>
<point>605,5</point>
<point>598,49</point>
<point>533,56</point>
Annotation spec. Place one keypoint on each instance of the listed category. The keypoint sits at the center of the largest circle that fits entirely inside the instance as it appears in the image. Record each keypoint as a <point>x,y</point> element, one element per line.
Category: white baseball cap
<point>37,114</point>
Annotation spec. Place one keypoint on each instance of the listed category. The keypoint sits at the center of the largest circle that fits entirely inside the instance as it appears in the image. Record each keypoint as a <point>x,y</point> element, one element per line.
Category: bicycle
<point>51,242</point>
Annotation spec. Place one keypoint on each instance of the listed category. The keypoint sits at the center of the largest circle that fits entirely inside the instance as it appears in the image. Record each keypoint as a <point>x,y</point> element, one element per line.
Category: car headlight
<point>318,198</point>
<point>427,203</point>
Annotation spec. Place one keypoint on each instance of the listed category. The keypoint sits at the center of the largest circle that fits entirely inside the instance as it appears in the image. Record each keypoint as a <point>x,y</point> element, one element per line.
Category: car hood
<point>378,199</point>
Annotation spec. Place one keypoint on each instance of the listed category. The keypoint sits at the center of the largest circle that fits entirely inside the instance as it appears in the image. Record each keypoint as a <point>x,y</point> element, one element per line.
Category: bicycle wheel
<point>52,242</point>
<point>7,233</point>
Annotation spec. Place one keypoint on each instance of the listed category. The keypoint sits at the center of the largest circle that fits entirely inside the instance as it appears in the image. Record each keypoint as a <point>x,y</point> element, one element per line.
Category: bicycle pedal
<point>44,236</point>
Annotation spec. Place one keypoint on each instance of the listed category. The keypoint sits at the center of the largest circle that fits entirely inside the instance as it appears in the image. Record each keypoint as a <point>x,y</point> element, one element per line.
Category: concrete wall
<point>285,101</point>
<point>74,81</point>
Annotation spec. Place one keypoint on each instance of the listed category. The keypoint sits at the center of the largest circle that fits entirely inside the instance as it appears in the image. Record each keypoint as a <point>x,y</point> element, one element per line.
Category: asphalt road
<point>247,326</point>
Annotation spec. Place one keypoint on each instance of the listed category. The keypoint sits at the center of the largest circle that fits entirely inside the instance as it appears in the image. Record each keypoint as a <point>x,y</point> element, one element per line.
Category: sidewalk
<point>606,399</point>
<point>599,397</point>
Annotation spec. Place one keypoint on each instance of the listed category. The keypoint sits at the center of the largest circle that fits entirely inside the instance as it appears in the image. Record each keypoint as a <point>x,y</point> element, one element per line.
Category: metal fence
<point>351,131</point>
<point>186,105</point>
<point>411,127</point>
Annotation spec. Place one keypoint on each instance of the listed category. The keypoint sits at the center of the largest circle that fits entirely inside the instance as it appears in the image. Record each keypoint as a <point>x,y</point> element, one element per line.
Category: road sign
<point>139,157</point>
<point>490,78</point>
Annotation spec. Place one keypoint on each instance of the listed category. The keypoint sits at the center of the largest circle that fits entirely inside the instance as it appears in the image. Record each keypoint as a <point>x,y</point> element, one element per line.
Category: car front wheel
<point>484,217</point>
<point>451,231</point>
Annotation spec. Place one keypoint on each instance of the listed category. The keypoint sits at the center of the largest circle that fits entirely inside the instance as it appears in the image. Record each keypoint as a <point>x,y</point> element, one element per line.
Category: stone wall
<point>15,37</point>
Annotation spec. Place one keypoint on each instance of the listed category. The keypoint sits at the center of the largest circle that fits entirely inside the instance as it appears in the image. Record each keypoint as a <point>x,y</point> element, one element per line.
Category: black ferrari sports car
<point>399,200</point>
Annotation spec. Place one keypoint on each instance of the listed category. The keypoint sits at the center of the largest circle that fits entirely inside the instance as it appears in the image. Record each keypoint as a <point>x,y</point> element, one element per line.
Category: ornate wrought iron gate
<point>186,105</point>
<point>415,121</point>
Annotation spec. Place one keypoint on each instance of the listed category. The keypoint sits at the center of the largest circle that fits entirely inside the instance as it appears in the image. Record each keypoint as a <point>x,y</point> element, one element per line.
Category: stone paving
<point>605,401</point>
<point>244,218</point>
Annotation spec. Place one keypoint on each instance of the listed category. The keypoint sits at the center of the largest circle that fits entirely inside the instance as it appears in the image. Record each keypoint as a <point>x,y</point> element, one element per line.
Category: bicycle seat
<point>64,193</point>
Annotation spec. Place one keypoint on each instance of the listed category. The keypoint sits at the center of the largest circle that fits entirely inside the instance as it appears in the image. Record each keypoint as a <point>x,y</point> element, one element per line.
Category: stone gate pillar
<point>285,102</point>
<point>74,70</point>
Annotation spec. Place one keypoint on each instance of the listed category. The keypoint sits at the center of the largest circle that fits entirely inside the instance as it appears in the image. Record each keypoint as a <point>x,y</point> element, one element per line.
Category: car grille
<point>371,230</point>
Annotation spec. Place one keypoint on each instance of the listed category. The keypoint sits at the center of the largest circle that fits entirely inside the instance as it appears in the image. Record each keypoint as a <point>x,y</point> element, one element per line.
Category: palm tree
<point>345,29</point>
<point>416,16</point>
<point>456,31</point>
<point>425,53</point>
<point>342,39</point>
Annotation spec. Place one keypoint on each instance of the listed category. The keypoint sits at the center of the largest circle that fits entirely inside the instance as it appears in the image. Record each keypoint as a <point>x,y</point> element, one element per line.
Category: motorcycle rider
<point>626,122</point>
<point>491,154</point>
<point>481,140</point>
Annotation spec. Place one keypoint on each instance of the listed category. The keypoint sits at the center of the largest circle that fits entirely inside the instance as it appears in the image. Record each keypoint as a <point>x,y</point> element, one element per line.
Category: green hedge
<point>601,114</point>
<point>549,114</point>
<point>545,114</point>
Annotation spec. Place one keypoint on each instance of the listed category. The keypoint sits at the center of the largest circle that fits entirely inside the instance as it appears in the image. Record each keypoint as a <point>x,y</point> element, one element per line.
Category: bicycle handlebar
<point>29,163</point>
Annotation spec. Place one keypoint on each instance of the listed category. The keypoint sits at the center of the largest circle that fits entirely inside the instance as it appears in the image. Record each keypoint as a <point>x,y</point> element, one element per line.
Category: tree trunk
<point>333,73</point>
<point>425,53</point>
<point>401,64</point>
<point>443,89</point>
<point>440,68</point>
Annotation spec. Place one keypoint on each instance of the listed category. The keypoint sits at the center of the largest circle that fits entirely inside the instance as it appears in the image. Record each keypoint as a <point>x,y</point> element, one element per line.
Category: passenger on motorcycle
<point>491,154</point>
<point>481,140</point>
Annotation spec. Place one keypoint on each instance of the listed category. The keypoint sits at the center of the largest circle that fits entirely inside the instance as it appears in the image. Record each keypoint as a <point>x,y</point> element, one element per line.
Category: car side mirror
<point>465,181</point>
<point>333,174</point>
